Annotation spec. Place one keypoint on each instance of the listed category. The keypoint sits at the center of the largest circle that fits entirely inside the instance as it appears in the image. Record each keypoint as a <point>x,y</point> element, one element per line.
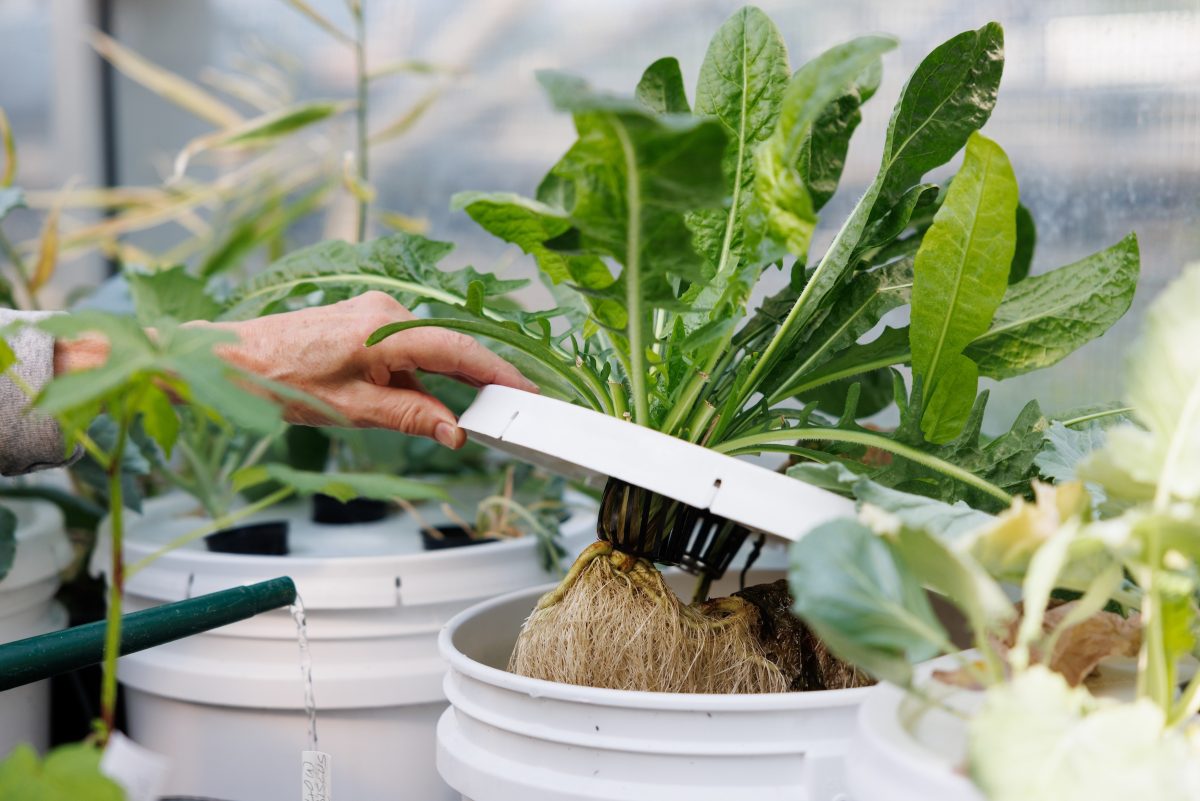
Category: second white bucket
<point>27,608</point>
<point>227,706</point>
<point>512,738</point>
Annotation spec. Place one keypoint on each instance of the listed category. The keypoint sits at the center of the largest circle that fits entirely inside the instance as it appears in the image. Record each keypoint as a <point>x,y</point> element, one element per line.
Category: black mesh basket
<point>648,525</point>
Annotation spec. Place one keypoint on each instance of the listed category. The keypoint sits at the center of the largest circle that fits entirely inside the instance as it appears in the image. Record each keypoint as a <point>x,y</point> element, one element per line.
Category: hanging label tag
<point>140,772</point>
<point>316,781</point>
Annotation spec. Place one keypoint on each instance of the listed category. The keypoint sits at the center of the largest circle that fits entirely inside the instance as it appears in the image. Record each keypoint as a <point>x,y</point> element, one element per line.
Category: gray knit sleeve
<point>29,440</point>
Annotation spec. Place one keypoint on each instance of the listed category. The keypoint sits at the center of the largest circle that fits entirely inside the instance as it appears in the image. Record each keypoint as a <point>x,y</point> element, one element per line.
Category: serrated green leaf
<point>403,265</point>
<point>1046,317</point>
<point>959,278</point>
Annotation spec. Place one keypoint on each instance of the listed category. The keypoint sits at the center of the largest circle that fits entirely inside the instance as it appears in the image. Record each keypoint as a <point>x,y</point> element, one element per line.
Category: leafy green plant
<point>662,219</point>
<point>137,390</point>
<point>1121,551</point>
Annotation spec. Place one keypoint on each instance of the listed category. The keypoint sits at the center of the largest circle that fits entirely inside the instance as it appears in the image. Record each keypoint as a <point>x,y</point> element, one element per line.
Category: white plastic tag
<point>317,778</point>
<point>140,772</point>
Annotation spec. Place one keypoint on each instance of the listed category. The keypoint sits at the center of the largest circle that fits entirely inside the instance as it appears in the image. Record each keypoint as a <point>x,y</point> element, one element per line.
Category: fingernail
<point>446,434</point>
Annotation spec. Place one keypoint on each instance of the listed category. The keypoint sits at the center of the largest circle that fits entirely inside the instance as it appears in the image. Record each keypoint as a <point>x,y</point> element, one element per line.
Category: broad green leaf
<point>949,96</point>
<point>633,176</point>
<point>343,486</point>
<point>1026,242</point>
<point>8,540</point>
<point>1163,386</point>
<point>850,588</point>
<point>783,206</point>
<point>960,275</point>
<point>172,293</point>
<point>1038,738</point>
<point>661,88</point>
<point>68,773</point>
<point>403,265</point>
<point>741,84</point>
<point>1046,317</point>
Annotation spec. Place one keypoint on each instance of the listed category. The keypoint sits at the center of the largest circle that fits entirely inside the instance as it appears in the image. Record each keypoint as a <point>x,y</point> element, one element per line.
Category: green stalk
<point>360,116</point>
<point>203,487</point>
<point>813,383</point>
<point>799,313</point>
<point>633,281</point>
<point>116,586</point>
<point>1087,418</point>
<point>747,444</point>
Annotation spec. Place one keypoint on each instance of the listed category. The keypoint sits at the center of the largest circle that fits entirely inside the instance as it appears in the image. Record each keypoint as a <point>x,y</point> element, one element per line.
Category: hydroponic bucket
<point>375,602</point>
<point>905,749</point>
<point>511,738</point>
<point>27,609</point>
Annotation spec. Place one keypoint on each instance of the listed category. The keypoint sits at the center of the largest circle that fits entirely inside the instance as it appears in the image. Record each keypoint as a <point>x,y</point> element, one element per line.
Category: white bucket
<point>512,738</point>
<point>227,706</point>
<point>27,608</point>
<point>905,749</point>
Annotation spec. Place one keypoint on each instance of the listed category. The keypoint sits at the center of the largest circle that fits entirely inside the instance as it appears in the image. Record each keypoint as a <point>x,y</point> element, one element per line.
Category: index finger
<point>449,353</point>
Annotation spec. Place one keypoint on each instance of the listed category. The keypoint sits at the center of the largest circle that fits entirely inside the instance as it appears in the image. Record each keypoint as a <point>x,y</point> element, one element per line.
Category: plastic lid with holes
<point>589,446</point>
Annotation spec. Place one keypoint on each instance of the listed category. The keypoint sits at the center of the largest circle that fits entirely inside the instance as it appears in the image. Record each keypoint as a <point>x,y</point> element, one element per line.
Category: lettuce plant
<point>659,221</point>
<point>1119,538</point>
<point>655,228</point>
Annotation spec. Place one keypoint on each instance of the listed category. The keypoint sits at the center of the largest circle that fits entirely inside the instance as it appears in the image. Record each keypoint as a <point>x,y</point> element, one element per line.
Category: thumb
<point>412,412</point>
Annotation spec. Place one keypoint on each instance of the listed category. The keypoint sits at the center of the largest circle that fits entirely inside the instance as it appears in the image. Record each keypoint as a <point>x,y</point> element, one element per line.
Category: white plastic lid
<point>585,445</point>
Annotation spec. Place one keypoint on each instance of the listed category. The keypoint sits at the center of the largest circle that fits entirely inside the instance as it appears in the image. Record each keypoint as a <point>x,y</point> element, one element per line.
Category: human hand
<point>321,352</point>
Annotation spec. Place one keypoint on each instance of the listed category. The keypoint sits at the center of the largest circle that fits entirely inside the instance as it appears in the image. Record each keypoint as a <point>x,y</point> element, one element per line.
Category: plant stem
<point>747,444</point>
<point>1087,418</point>
<point>363,85</point>
<point>116,581</point>
<point>633,279</point>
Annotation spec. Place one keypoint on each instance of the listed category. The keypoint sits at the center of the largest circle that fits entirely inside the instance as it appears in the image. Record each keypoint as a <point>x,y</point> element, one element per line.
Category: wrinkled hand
<point>320,351</point>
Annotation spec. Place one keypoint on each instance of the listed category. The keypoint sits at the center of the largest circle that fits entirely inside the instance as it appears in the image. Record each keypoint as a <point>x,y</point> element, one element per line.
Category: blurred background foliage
<point>1103,129</point>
